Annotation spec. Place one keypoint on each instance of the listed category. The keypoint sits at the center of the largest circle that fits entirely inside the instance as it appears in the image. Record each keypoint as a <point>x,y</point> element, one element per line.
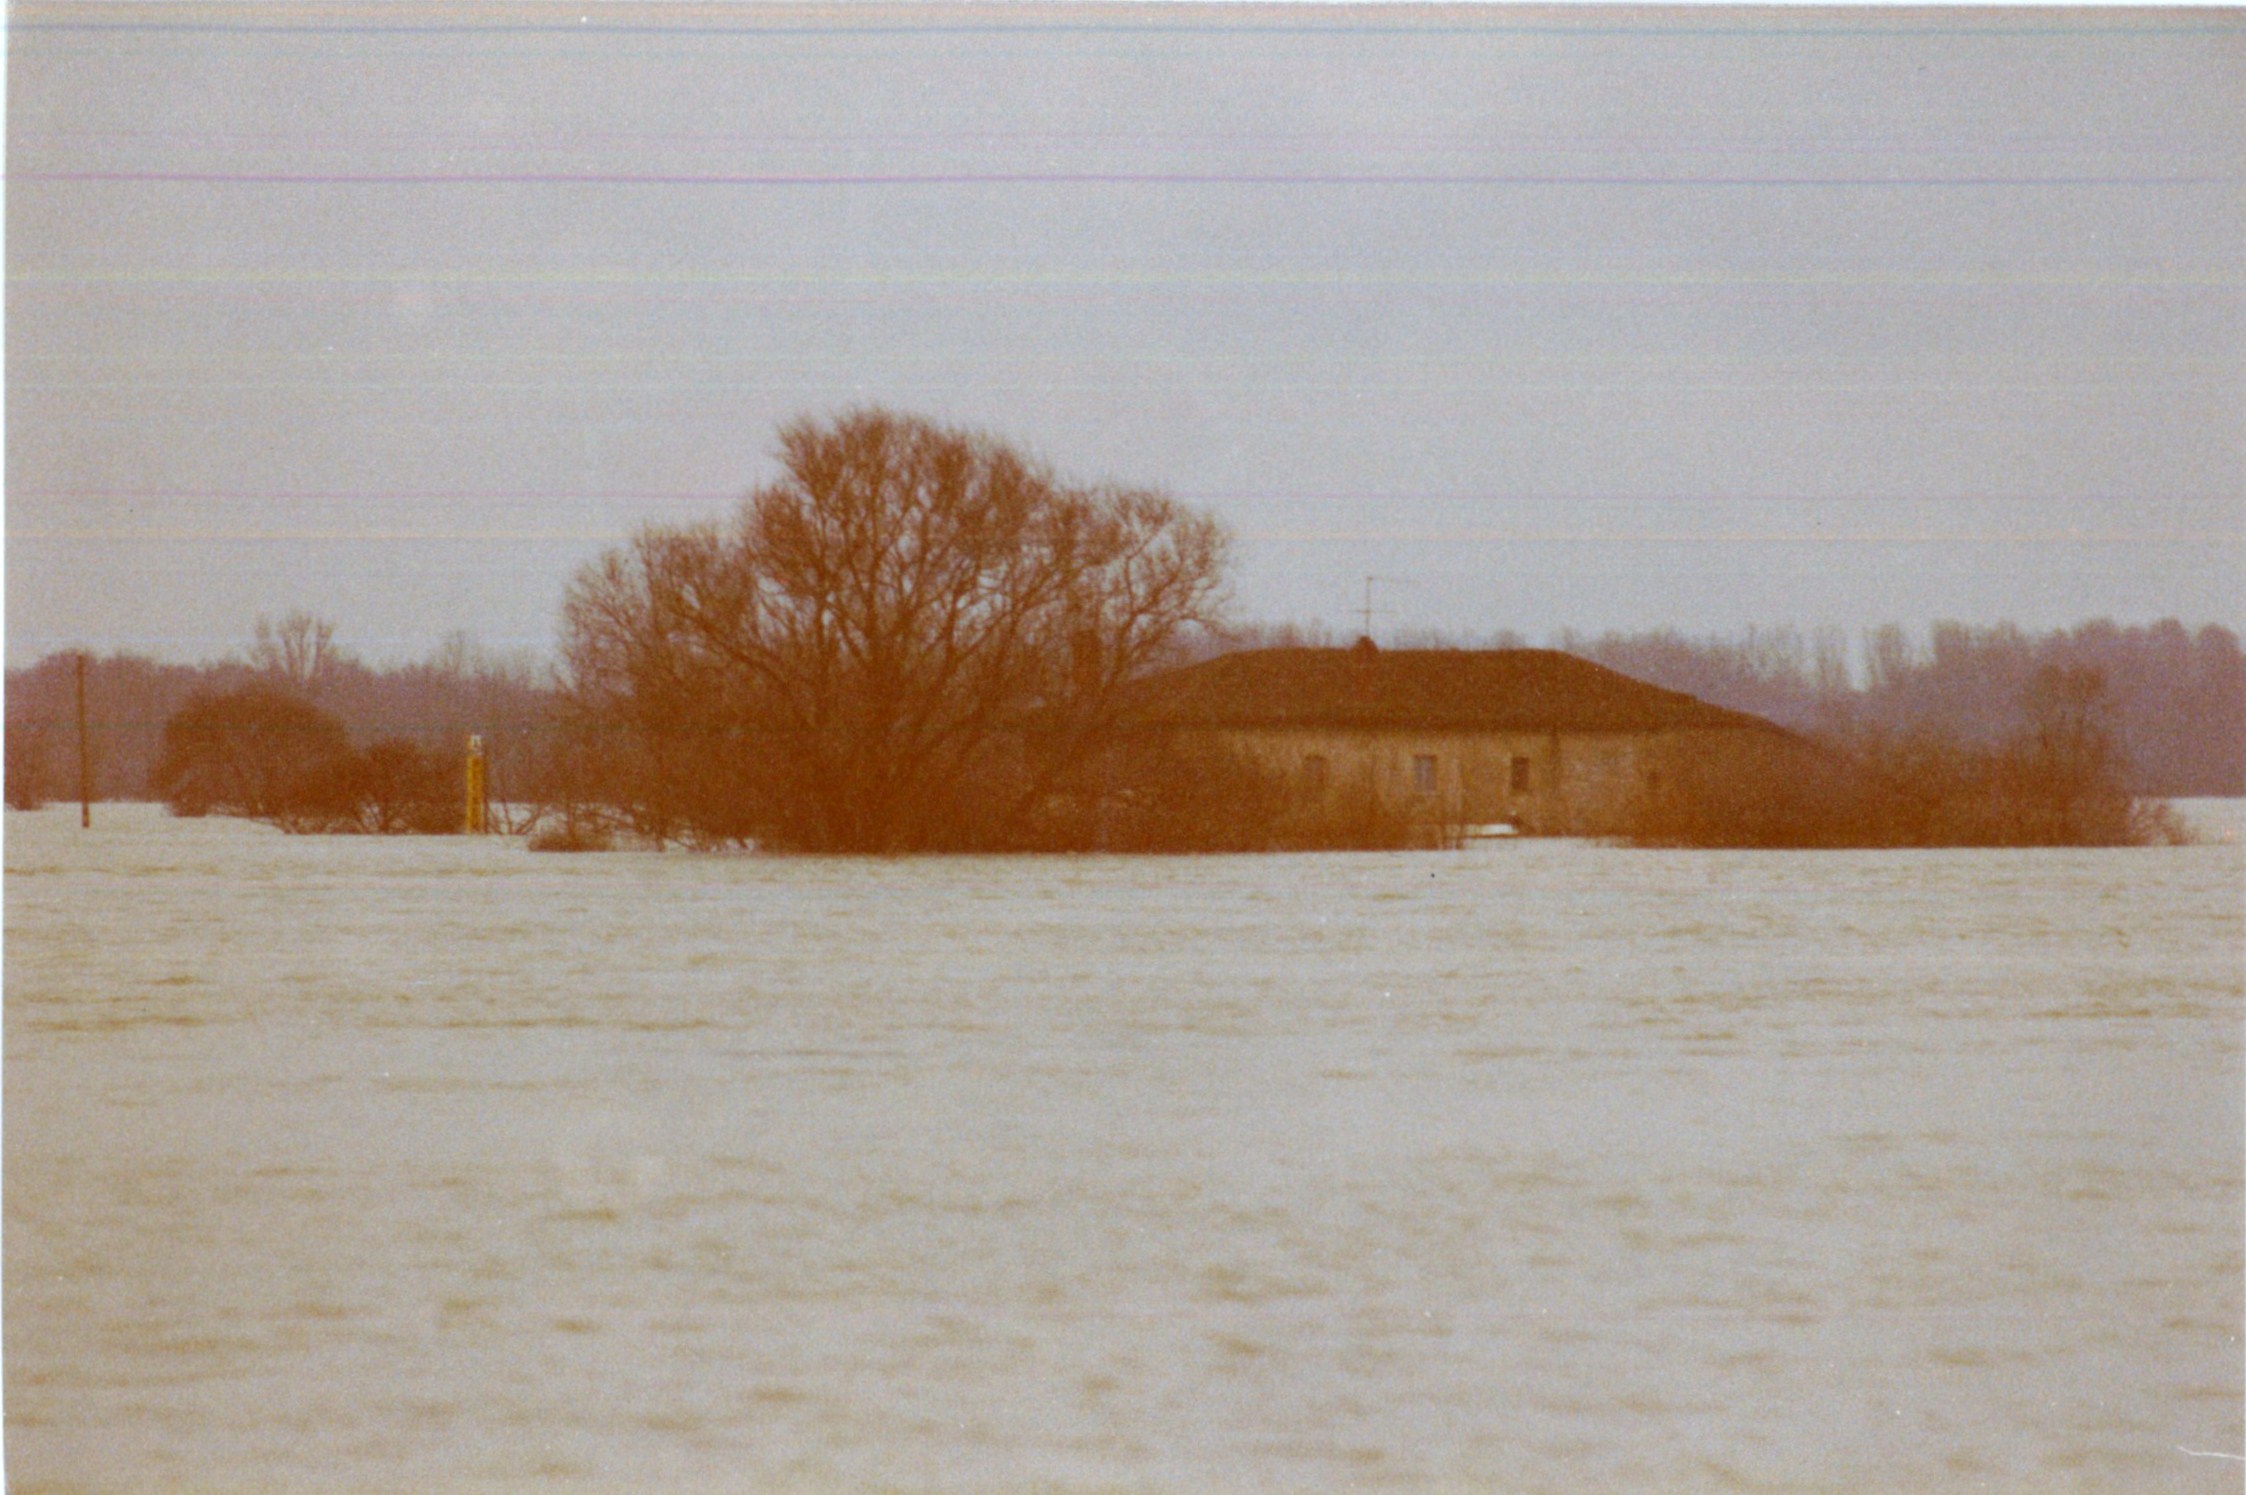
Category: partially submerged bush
<point>395,788</point>
<point>268,754</point>
<point>2060,782</point>
<point>572,833</point>
<point>571,838</point>
<point>257,752</point>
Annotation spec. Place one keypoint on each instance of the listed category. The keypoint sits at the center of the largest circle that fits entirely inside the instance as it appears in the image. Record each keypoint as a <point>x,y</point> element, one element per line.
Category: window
<point>1423,774</point>
<point>1520,781</point>
<point>1314,773</point>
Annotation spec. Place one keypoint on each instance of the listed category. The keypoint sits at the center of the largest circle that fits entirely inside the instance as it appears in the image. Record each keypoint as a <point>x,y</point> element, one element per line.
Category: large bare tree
<point>915,638</point>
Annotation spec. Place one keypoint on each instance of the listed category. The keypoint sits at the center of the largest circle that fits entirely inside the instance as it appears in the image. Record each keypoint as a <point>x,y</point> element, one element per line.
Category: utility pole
<point>85,755</point>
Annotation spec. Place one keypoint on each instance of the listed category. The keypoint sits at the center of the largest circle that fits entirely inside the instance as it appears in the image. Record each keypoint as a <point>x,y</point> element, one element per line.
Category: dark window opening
<point>1520,779</point>
<point>1314,773</point>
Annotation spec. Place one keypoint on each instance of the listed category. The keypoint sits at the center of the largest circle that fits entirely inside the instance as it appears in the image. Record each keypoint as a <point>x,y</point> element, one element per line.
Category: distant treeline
<point>433,703</point>
<point>2177,698</point>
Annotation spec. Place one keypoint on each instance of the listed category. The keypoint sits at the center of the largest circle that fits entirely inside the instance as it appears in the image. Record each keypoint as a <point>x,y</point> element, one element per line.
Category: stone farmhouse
<point>1543,742</point>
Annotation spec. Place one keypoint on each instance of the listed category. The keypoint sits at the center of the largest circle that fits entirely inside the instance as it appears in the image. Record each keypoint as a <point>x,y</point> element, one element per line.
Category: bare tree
<point>2066,770</point>
<point>300,649</point>
<point>913,639</point>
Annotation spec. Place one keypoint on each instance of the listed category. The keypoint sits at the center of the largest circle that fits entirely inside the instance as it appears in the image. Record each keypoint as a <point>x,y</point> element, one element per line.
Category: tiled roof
<point>1540,690</point>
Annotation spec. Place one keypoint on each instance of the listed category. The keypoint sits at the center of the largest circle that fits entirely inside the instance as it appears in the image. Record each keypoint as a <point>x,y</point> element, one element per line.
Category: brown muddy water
<point>434,1164</point>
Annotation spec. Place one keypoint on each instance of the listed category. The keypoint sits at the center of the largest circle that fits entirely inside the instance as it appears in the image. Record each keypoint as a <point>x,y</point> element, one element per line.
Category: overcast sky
<point>1588,318</point>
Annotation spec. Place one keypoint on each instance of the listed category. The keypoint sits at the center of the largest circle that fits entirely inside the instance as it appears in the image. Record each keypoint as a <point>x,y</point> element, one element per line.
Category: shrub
<point>396,788</point>
<point>2058,782</point>
<point>257,752</point>
<point>1756,792</point>
<point>572,835</point>
<point>267,754</point>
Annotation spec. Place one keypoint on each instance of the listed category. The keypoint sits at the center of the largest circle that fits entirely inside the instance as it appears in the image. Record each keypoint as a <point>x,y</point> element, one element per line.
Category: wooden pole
<point>85,754</point>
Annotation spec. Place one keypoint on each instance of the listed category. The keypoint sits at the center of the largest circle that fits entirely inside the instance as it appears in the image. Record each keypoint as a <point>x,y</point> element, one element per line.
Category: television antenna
<point>1368,612</point>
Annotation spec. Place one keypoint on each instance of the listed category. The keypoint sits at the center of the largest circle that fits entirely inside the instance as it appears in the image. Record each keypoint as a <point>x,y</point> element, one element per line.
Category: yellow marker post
<point>478,806</point>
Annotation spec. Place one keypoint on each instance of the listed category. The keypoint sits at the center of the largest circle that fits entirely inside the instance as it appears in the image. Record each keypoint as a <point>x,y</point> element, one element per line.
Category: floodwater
<point>1547,1166</point>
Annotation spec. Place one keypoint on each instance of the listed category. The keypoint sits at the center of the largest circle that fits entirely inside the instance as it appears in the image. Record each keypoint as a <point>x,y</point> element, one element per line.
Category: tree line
<point>302,718</point>
<point>918,638</point>
<point>2174,700</point>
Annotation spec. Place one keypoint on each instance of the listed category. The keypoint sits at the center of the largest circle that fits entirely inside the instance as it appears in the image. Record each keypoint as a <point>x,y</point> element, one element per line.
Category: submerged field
<point>383,1164</point>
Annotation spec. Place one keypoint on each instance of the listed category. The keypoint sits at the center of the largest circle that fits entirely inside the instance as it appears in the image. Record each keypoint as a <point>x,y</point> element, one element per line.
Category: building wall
<point>1573,783</point>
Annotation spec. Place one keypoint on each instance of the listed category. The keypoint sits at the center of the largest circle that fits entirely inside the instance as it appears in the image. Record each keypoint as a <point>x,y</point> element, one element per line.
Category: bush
<point>256,752</point>
<point>2059,782</point>
<point>572,835</point>
<point>395,788</point>
<point>268,754</point>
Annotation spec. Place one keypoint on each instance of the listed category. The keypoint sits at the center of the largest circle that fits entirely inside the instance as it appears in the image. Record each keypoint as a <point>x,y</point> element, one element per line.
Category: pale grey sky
<point>1592,318</point>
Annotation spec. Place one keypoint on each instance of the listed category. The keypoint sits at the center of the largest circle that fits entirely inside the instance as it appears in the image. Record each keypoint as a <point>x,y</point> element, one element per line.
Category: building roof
<point>1491,690</point>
